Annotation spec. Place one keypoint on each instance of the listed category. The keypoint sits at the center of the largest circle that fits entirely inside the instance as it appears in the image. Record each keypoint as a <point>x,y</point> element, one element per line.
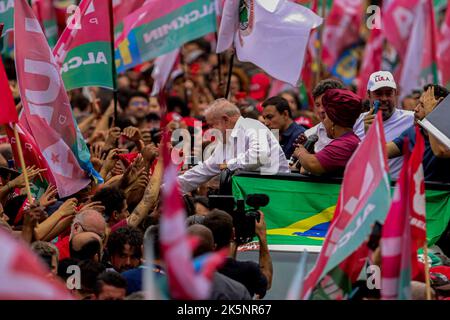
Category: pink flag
<point>162,70</point>
<point>8,111</point>
<point>123,8</point>
<point>444,51</point>
<point>405,221</point>
<point>371,63</point>
<point>341,29</point>
<point>420,62</point>
<point>184,282</point>
<point>31,153</point>
<point>364,199</point>
<point>416,188</point>
<point>23,276</point>
<point>46,105</point>
<point>398,20</point>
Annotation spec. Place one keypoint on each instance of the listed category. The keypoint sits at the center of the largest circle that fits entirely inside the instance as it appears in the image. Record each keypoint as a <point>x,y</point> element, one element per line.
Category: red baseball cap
<point>259,86</point>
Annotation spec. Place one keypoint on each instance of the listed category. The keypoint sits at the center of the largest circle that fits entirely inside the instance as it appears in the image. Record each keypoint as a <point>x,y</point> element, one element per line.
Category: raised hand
<point>49,196</point>
<point>133,134</point>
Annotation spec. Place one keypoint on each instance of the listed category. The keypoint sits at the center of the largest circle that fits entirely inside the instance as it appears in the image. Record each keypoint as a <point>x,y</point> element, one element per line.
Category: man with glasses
<point>138,108</point>
<point>383,89</point>
<point>85,221</point>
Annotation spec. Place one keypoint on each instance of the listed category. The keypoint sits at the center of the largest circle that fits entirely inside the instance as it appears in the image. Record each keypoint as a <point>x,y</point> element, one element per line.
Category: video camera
<point>243,219</point>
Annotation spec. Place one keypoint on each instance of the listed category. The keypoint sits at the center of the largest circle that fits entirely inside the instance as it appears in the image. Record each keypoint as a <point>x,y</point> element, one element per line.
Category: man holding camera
<point>257,278</point>
<point>244,144</point>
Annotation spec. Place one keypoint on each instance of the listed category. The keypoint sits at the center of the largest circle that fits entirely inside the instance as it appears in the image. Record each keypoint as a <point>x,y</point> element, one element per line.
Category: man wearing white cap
<point>382,88</point>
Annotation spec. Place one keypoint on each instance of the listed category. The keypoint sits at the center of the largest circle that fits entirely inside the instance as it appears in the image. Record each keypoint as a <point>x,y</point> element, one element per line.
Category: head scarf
<point>342,106</point>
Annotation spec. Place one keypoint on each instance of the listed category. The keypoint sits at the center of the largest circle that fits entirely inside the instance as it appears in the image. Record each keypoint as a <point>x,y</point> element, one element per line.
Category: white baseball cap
<point>381,79</point>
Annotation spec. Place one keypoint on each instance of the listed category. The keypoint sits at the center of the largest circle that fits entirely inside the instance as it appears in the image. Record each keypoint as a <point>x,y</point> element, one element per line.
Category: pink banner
<point>46,105</point>
<point>341,29</point>
<point>398,19</point>
<point>444,51</point>
<point>123,8</point>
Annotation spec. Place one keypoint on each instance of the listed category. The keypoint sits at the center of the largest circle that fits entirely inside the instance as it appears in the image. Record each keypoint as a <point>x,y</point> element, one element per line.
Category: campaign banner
<point>158,28</point>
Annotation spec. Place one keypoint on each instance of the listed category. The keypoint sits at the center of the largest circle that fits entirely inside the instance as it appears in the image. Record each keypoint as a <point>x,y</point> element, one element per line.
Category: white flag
<point>162,69</point>
<point>272,34</point>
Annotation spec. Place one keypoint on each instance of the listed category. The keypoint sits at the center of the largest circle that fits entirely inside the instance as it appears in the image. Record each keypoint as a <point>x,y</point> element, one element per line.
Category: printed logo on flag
<point>246,17</point>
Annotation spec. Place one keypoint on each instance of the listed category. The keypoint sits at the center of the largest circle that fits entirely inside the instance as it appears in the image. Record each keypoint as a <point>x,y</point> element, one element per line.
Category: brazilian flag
<point>301,208</point>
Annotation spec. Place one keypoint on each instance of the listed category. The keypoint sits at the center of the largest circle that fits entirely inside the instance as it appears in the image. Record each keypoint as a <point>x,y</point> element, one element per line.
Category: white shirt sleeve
<point>256,155</point>
<point>200,174</point>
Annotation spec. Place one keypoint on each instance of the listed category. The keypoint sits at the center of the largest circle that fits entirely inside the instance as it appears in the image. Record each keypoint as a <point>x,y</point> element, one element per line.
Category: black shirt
<point>288,138</point>
<point>248,273</point>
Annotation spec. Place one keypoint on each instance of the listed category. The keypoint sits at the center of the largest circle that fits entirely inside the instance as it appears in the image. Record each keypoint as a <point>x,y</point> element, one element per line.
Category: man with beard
<point>124,249</point>
<point>383,89</point>
<point>138,108</point>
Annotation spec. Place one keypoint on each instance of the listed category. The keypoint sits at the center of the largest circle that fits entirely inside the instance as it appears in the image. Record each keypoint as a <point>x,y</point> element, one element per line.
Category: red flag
<point>341,29</point>
<point>404,223</point>
<point>23,276</point>
<point>398,20</point>
<point>123,8</point>
<point>45,102</point>
<point>373,56</point>
<point>364,199</point>
<point>416,186</point>
<point>444,51</point>
<point>184,282</point>
<point>31,153</point>
<point>8,111</point>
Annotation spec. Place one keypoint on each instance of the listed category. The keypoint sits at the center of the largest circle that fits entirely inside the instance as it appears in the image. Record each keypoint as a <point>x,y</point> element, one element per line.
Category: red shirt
<point>334,157</point>
<point>122,223</point>
<point>63,248</point>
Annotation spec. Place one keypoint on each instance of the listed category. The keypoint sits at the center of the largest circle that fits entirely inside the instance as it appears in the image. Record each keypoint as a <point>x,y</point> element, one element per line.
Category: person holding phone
<point>383,88</point>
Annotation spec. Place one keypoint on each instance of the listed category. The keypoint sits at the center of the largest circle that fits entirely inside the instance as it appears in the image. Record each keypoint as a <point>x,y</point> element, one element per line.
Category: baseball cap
<point>381,79</point>
<point>259,86</point>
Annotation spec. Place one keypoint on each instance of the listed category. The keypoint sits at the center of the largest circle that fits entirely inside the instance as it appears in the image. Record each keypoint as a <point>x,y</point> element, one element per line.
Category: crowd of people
<point>104,229</point>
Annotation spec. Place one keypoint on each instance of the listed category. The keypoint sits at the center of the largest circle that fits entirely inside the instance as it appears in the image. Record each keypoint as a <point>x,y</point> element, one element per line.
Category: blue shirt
<point>288,138</point>
<point>435,169</point>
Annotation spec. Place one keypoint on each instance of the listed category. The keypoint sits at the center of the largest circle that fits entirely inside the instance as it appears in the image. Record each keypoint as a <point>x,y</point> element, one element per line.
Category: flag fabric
<point>398,20</point>
<point>162,69</point>
<point>299,212</point>
<point>396,244</point>
<point>363,200</point>
<point>420,63</point>
<point>341,29</point>
<point>46,105</point>
<point>259,28</point>
<point>297,282</point>
<point>46,14</point>
<point>184,282</point>
<point>23,276</point>
<point>122,8</point>
<point>7,15</point>
<point>83,51</point>
<point>160,27</point>
<point>444,51</point>
<point>8,111</point>
<point>32,157</point>
<point>371,62</point>
<point>416,187</point>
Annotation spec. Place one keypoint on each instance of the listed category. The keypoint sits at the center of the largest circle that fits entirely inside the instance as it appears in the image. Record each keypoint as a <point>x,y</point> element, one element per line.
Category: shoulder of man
<point>225,288</point>
<point>313,130</point>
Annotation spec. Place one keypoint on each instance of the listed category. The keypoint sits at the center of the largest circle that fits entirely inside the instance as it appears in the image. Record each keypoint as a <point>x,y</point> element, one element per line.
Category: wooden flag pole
<point>22,164</point>
<point>113,60</point>
<point>427,271</point>
<point>230,70</point>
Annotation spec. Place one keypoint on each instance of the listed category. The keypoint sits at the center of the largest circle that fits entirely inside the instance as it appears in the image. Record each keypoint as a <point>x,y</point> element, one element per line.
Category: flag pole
<point>230,70</point>
<point>427,271</point>
<point>320,43</point>
<point>113,59</point>
<point>22,164</point>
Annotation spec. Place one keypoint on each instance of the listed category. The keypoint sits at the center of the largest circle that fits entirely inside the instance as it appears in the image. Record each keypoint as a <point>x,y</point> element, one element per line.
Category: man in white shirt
<point>248,145</point>
<point>382,87</point>
<point>319,110</point>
